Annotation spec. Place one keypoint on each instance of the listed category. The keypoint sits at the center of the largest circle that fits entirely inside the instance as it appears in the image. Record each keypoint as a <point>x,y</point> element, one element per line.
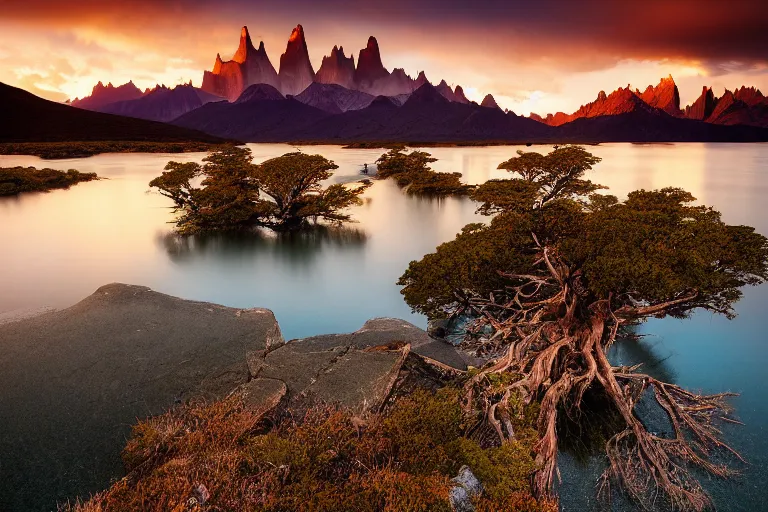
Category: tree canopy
<point>411,170</point>
<point>555,276</point>
<point>282,193</point>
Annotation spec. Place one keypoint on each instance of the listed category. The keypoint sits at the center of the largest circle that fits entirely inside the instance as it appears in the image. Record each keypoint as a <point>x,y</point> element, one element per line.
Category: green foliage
<point>15,180</point>
<point>656,246</point>
<point>649,250</point>
<point>412,170</point>
<point>401,461</point>
<point>443,281</point>
<point>282,193</point>
<point>56,150</point>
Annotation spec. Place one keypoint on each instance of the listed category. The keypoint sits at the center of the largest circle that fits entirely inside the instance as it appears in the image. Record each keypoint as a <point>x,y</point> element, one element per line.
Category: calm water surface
<point>59,247</point>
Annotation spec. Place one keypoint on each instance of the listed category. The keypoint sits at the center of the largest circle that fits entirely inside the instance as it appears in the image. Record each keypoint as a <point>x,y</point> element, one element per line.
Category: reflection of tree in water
<point>298,247</point>
<point>635,348</point>
<point>585,432</point>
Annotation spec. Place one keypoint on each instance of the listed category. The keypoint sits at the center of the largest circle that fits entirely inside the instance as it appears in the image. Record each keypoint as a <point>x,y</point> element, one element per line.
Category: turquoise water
<point>59,247</point>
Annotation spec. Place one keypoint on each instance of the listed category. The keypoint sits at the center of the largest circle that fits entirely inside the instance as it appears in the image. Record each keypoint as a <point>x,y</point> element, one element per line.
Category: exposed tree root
<point>557,345</point>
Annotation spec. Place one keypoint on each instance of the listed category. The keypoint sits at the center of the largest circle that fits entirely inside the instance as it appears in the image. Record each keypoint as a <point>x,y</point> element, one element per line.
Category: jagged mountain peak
<point>664,96</point>
<point>490,102</point>
<point>297,35</point>
<point>458,92</point>
<point>337,68</point>
<point>245,49</point>
<point>105,94</point>
<point>369,66</point>
<point>296,71</point>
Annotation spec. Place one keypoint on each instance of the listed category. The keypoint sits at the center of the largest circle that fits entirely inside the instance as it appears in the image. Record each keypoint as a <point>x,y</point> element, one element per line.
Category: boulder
<point>466,487</point>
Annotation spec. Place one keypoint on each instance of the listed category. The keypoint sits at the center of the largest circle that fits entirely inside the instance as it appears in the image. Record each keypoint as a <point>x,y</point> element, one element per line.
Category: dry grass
<point>400,461</point>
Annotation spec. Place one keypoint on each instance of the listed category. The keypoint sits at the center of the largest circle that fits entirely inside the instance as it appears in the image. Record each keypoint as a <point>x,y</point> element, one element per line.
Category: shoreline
<point>86,149</point>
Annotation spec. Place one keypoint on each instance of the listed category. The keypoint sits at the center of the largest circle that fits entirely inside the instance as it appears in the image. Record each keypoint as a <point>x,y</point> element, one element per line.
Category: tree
<point>556,276</point>
<point>412,170</point>
<point>282,193</point>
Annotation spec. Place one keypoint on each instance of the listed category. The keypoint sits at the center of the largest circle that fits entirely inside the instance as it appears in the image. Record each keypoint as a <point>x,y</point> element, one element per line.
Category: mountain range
<point>745,106</point>
<point>246,98</point>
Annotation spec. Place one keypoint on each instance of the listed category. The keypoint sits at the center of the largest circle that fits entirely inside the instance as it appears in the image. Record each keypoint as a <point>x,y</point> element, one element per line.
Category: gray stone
<point>360,380</point>
<point>74,381</point>
<point>460,500</point>
<point>467,487</point>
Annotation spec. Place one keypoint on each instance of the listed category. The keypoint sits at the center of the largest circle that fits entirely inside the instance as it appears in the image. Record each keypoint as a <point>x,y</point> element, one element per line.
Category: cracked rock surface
<point>74,381</point>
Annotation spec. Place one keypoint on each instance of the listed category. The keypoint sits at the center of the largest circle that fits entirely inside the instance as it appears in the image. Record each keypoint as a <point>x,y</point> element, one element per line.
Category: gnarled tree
<point>556,275</point>
<point>282,193</point>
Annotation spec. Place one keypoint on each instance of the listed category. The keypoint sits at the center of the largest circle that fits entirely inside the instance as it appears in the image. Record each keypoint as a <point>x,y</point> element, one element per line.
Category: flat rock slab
<point>356,370</point>
<point>72,382</point>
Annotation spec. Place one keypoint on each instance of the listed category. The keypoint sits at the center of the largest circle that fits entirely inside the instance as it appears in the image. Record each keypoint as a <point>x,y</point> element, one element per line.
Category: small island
<point>15,180</point>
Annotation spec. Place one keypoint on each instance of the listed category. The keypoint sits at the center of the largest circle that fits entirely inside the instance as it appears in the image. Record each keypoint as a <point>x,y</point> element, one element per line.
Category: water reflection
<point>299,248</point>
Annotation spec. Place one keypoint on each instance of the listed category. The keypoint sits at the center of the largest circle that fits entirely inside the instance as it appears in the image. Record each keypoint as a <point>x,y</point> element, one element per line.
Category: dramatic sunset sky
<point>540,56</point>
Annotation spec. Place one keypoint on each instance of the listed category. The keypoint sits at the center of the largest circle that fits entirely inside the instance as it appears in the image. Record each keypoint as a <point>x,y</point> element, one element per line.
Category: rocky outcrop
<point>75,380</point>
<point>102,95</point>
<point>296,71</point>
<point>703,107</point>
<point>248,66</point>
<point>664,96</point>
<point>337,69</point>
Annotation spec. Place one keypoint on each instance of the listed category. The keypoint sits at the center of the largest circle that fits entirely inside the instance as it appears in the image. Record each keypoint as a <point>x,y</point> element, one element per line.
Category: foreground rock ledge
<point>72,382</point>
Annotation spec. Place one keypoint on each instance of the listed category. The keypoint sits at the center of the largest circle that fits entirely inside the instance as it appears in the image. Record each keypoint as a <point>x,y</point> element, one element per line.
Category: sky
<point>538,56</point>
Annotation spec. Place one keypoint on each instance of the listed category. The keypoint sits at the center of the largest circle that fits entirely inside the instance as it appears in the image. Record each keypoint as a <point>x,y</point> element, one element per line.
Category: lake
<point>58,247</point>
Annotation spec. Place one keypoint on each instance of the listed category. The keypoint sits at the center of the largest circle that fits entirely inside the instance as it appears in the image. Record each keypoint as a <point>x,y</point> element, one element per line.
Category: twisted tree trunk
<point>558,345</point>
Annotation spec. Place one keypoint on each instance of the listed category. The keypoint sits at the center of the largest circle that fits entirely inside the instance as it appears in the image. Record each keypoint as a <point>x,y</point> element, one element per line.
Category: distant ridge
<point>746,106</point>
<point>28,118</point>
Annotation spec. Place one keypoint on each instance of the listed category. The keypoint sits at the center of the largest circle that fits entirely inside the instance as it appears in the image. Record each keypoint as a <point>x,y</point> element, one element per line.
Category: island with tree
<point>15,180</point>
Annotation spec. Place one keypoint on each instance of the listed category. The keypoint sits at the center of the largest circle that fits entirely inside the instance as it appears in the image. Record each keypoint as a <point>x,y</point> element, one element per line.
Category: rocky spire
<point>703,107</point>
<point>664,96</point>
<point>245,49</point>
<point>248,66</point>
<point>337,69</point>
<point>369,66</point>
<point>296,71</point>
